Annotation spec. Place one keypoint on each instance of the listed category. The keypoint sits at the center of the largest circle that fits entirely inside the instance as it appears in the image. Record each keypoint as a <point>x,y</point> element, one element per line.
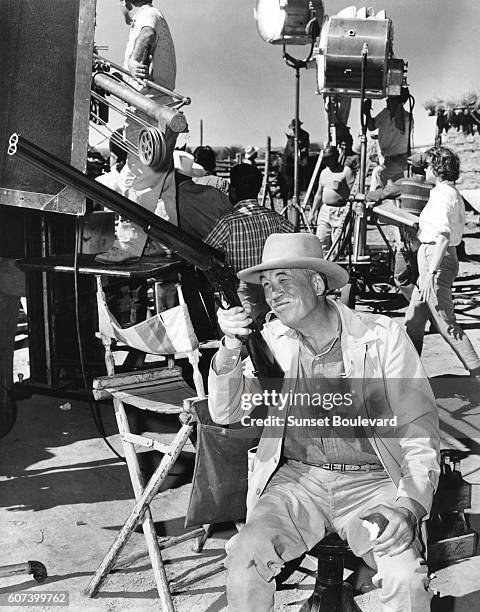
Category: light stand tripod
<point>313,29</point>
<point>360,228</point>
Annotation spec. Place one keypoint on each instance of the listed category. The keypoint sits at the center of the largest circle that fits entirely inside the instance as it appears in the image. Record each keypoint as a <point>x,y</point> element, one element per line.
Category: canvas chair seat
<point>163,392</point>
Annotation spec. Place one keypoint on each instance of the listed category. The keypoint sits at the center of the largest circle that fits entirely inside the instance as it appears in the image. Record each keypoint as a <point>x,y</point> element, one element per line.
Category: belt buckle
<point>355,468</point>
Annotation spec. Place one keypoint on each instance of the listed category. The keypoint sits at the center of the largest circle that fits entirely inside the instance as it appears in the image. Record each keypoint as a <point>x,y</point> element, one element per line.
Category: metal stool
<point>331,593</point>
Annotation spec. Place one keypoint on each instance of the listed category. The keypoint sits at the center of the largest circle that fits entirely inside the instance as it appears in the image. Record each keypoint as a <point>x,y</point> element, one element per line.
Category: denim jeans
<point>300,504</point>
<point>440,307</point>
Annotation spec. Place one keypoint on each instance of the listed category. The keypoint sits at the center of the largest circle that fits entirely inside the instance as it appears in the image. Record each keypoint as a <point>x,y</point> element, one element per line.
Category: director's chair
<point>158,390</point>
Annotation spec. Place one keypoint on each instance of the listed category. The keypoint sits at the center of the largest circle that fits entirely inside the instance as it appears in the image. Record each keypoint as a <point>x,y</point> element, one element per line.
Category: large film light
<point>339,58</point>
<point>285,22</point>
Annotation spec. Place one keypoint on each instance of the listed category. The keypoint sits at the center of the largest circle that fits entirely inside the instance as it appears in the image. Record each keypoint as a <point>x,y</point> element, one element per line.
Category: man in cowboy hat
<point>288,158</point>
<point>251,154</point>
<point>310,476</point>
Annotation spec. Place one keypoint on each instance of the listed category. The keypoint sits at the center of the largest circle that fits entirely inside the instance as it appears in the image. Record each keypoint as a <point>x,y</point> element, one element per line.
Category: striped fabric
<point>414,194</point>
<point>242,233</point>
<point>166,333</point>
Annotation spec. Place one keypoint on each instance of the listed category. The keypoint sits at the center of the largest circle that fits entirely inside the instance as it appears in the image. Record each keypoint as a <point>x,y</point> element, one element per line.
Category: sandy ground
<point>64,495</point>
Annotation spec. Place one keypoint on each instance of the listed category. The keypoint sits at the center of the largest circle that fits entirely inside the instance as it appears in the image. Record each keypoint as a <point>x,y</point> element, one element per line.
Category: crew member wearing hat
<point>310,476</point>
<point>333,191</point>
<point>288,158</point>
<point>251,154</point>
<point>412,195</point>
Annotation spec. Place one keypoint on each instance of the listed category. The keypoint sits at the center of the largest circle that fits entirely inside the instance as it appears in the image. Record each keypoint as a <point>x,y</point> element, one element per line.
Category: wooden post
<point>266,171</point>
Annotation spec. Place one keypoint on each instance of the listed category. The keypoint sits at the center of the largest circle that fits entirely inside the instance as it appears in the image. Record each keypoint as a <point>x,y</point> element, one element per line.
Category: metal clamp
<point>12,144</point>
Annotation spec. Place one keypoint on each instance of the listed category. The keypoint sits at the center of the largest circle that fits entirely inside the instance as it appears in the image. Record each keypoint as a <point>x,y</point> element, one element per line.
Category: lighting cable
<point>93,405</point>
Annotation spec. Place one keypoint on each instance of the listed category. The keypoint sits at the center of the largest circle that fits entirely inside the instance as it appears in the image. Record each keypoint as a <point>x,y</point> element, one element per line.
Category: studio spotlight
<point>289,22</point>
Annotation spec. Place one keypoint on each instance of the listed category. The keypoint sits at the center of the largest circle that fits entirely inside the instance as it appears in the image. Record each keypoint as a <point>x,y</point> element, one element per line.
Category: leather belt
<point>432,242</point>
<point>341,467</point>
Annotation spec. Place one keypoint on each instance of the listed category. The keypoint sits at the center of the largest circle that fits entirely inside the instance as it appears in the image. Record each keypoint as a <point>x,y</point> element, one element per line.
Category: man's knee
<point>403,580</point>
<point>254,549</point>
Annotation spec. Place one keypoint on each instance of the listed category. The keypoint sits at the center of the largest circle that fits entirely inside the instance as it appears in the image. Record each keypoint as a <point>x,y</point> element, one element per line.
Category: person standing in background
<point>441,225</point>
<point>205,156</point>
<point>394,125</point>
<point>150,54</point>
<point>334,188</point>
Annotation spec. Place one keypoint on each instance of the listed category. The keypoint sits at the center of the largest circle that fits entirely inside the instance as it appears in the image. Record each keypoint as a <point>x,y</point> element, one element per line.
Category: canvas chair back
<point>166,333</point>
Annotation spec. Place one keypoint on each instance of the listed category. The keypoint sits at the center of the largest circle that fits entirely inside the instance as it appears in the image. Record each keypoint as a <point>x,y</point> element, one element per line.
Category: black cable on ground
<point>94,409</point>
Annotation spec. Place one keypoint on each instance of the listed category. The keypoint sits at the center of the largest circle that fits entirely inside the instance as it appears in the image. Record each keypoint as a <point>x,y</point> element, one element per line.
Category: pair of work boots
<point>124,253</point>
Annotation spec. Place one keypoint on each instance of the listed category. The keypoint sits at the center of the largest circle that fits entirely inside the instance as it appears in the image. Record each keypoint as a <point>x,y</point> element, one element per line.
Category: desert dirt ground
<point>64,495</point>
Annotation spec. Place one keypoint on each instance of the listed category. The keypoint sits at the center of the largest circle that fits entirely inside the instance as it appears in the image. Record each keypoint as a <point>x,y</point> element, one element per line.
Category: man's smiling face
<point>292,294</point>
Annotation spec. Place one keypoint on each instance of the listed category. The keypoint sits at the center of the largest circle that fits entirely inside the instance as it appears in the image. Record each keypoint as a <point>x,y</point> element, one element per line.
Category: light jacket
<point>384,366</point>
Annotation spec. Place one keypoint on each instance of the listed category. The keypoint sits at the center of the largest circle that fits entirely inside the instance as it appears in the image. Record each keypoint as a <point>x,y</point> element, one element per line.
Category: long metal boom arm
<point>175,119</point>
<point>191,249</point>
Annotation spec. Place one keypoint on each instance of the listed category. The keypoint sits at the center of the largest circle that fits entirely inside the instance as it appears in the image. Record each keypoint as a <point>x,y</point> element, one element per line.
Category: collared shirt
<point>242,233</point>
<point>163,66</point>
<point>391,140</point>
<point>320,375</point>
<point>199,207</point>
<point>444,213</point>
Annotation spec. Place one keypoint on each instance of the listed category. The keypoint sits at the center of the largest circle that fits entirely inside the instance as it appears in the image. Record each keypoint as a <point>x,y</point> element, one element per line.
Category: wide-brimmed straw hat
<point>185,164</point>
<point>289,251</point>
<point>251,151</point>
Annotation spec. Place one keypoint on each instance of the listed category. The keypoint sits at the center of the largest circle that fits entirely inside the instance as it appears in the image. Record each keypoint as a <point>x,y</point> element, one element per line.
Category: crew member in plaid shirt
<point>242,233</point>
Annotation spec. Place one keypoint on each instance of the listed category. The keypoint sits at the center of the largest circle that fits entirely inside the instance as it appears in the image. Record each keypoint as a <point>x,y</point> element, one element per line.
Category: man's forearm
<point>227,356</point>
<point>317,203</point>
<point>142,51</point>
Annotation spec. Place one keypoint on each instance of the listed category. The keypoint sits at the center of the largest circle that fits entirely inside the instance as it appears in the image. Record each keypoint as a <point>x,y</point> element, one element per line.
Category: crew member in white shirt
<point>441,225</point>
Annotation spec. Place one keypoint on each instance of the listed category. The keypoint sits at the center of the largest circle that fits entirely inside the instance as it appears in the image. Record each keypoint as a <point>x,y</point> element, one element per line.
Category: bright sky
<point>244,92</point>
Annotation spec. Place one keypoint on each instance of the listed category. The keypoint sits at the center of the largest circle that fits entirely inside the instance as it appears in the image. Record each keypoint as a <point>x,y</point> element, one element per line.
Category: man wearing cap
<point>307,480</point>
<point>332,194</point>
<point>412,194</point>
